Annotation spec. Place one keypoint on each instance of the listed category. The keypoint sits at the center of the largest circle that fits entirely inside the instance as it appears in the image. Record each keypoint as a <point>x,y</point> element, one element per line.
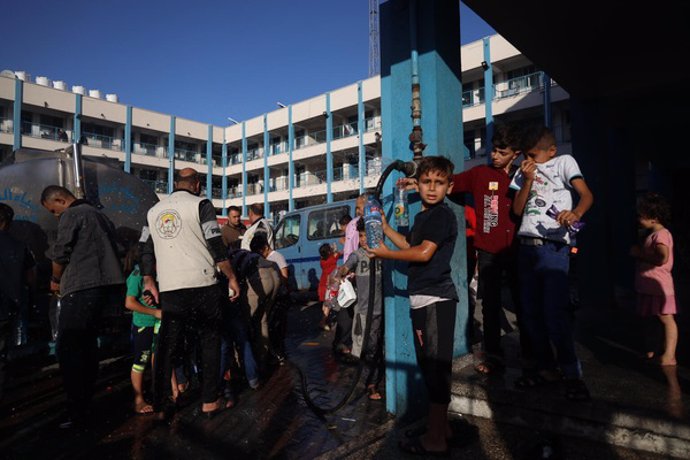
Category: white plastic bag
<point>346,294</point>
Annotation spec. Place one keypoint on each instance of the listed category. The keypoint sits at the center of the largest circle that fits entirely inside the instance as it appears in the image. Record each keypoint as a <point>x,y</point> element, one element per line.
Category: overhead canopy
<point>599,49</point>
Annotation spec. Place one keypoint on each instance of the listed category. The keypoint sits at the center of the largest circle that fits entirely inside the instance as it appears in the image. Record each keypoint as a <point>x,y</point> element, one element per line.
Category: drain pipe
<point>416,135</point>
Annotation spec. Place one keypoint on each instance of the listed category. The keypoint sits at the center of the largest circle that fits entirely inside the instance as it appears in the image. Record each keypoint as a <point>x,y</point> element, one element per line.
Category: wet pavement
<point>638,410</point>
<point>271,422</point>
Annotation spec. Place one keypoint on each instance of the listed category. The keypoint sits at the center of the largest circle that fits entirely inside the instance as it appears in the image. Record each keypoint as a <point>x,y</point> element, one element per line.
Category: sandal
<point>143,408</point>
<point>576,390</point>
<point>414,446</point>
<point>374,394</point>
<point>489,367</point>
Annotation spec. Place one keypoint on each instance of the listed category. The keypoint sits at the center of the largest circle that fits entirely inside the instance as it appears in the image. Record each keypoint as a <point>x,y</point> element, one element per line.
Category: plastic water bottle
<point>400,208</point>
<point>372,222</point>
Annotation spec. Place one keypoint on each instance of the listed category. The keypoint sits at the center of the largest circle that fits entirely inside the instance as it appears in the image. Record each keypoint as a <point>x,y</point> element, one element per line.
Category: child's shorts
<point>652,305</point>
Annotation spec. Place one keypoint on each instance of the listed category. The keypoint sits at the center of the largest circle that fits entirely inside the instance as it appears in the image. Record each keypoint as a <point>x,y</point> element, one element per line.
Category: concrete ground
<point>638,410</point>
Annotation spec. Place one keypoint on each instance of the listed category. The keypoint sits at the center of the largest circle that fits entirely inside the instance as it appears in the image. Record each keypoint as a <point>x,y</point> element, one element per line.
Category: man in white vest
<point>182,244</point>
<point>259,224</point>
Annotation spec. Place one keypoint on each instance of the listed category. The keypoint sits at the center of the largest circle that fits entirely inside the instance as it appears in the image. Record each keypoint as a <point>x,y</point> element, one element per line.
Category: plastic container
<point>400,208</point>
<point>372,222</point>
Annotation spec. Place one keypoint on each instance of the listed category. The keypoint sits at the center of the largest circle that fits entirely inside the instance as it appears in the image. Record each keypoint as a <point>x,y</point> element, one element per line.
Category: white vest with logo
<point>183,259</point>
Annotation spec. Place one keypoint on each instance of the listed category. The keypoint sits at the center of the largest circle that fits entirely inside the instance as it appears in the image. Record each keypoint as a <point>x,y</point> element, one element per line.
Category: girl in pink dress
<point>653,280</point>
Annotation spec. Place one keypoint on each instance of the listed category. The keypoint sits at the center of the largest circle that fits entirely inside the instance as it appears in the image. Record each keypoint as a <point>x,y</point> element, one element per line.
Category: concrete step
<point>634,405</point>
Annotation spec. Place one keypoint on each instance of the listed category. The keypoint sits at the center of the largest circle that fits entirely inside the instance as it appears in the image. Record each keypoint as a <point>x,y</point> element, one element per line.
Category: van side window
<point>288,233</point>
<point>325,223</point>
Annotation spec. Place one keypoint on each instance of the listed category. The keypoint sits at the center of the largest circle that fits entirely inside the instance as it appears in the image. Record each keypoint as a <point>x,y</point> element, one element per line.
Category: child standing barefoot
<point>653,280</point>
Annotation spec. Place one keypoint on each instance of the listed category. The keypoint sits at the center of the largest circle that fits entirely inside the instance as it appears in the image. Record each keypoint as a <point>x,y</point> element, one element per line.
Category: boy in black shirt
<point>433,297</point>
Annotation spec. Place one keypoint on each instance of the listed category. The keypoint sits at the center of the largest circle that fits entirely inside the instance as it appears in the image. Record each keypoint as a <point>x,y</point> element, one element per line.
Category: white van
<point>301,232</point>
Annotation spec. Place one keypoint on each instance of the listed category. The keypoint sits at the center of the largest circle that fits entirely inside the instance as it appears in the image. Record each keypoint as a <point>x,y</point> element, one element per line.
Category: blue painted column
<point>488,97</point>
<point>267,149</point>
<point>224,177</point>
<point>244,169</point>
<point>438,50</point>
<point>547,100</point>
<point>291,166</point>
<point>329,153</point>
<point>17,114</point>
<point>171,155</point>
<point>76,132</point>
<point>128,140</point>
<point>361,129</point>
<point>209,163</point>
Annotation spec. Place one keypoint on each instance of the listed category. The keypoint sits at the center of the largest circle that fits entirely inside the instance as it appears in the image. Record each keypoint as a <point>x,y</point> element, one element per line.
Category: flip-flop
<point>374,394</point>
<point>414,446</point>
<point>143,409</point>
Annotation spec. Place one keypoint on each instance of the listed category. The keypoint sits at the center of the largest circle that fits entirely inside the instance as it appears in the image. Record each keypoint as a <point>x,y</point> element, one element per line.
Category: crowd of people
<point>213,299</point>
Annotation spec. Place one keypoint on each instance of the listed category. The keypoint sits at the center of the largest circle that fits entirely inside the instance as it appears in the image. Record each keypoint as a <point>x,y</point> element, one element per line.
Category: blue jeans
<point>543,273</point>
<point>235,330</point>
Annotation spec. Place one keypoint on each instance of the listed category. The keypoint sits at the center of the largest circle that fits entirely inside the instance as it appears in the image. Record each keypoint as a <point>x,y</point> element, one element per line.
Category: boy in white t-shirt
<point>544,184</point>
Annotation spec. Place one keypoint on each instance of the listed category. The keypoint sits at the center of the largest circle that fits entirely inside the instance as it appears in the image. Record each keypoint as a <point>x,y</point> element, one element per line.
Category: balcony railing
<point>519,85</point>
<point>6,125</point>
<point>186,155</point>
<point>473,97</point>
<point>508,88</point>
<point>41,131</point>
<point>105,142</point>
<point>142,148</point>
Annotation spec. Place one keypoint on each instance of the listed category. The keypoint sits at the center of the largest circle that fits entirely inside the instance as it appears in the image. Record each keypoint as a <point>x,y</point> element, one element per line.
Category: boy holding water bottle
<point>433,297</point>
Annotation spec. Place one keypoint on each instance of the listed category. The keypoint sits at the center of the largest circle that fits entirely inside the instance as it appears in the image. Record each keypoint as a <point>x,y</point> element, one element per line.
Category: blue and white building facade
<point>322,149</point>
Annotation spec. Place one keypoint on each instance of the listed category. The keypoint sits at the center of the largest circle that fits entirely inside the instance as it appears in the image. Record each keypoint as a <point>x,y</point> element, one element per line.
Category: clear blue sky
<point>203,60</point>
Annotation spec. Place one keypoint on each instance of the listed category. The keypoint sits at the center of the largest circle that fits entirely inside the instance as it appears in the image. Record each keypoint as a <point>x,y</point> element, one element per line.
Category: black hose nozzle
<point>409,168</point>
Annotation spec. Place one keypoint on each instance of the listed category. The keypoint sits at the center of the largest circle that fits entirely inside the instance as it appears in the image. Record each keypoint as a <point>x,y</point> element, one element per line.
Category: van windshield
<point>287,232</point>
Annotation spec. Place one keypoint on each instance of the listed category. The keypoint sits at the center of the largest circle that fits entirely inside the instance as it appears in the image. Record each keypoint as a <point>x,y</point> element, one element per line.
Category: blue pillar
<point>76,133</point>
<point>209,163</point>
<point>267,149</point>
<point>244,169</point>
<point>438,42</point>
<point>361,129</point>
<point>17,115</point>
<point>224,177</point>
<point>291,166</point>
<point>128,140</point>
<point>329,154</point>
<point>547,100</point>
<point>488,96</point>
<point>171,155</point>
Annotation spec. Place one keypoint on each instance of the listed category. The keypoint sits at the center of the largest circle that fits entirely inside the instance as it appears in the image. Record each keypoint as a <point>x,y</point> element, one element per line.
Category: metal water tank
<point>95,93</point>
<point>111,97</point>
<point>22,75</point>
<point>79,90</point>
<point>59,84</point>
<point>43,81</point>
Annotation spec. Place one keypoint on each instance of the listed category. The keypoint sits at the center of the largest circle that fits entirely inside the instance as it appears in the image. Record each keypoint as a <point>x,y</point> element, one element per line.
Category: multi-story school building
<point>321,149</point>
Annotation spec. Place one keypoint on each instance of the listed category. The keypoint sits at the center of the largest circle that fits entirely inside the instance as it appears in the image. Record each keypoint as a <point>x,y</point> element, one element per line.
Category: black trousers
<point>491,269</point>
<point>433,329</point>
<point>198,309</point>
<point>77,346</point>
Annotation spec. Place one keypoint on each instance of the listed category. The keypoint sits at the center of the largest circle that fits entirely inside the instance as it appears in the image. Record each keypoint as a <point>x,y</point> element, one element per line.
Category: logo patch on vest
<point>168,224</point>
